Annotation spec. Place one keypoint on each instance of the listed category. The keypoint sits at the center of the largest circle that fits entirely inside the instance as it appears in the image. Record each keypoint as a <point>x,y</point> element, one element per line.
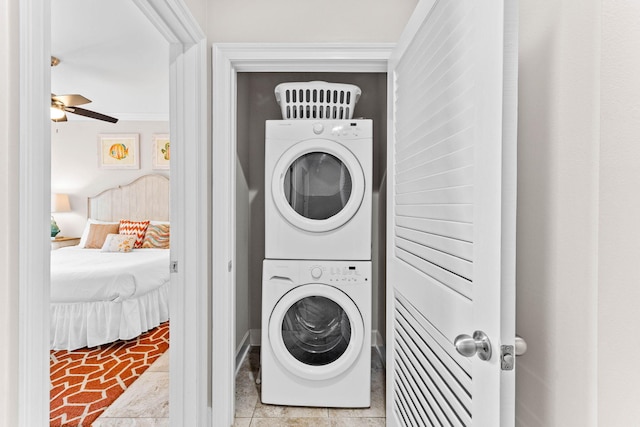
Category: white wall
<point>557,212</point>
<point>75,169</point>
<point>578,210</point>
<point>305,21</point>
<point>619,214</point>
<point>9,238</point>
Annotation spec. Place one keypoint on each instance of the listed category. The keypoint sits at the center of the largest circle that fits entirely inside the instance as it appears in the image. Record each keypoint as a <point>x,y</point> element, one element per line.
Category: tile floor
<point>146,402</point>
<point>250,412</point>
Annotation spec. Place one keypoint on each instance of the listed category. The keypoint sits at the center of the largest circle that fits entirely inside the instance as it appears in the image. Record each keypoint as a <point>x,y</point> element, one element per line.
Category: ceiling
<point>110,53</point>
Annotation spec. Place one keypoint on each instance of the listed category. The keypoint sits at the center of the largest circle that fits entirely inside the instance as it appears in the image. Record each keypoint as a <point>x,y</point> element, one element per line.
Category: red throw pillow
<point>136,228</point>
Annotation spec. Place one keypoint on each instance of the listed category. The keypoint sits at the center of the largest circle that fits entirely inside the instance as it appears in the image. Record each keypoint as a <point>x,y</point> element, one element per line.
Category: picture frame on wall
<point>161,151</point>
<point>119,151</point>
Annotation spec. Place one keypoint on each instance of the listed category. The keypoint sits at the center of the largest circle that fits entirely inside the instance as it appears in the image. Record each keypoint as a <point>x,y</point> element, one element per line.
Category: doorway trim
<point>228,60</point>
<point>189,389</point>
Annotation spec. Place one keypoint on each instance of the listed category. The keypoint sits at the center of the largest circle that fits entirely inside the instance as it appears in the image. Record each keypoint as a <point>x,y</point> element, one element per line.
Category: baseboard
<point>242,350</point>
<point>256,337</point>
<point>377,342</point>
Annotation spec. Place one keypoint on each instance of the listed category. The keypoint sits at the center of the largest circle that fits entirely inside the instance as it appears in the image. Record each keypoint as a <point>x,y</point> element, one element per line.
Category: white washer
<point>316,333</point>
<point>318,189</point>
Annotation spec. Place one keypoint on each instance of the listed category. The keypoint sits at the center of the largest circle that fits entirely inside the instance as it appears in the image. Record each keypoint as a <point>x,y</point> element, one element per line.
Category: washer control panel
<point>339,273</point>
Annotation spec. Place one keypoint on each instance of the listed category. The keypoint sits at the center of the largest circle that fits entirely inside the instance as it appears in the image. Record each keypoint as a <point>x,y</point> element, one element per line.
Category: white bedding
<point>99,297</point>
<point>83,275</point>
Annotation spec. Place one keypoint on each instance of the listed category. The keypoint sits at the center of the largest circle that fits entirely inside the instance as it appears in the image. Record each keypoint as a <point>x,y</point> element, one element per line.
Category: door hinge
<point>229,267</point>
<point>174,266</point>
<point>507,357</point>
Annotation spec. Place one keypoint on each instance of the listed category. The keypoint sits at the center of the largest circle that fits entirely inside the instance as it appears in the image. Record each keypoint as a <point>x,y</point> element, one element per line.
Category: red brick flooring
<point>86,381</point>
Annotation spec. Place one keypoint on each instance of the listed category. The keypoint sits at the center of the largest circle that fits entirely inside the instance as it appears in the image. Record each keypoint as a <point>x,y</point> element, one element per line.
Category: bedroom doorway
<point>135,323</point>
<point>189,328</point>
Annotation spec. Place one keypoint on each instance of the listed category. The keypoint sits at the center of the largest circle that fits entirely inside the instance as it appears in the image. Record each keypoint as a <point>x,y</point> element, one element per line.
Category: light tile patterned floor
<point>250,412</point>
<point>146,402</point>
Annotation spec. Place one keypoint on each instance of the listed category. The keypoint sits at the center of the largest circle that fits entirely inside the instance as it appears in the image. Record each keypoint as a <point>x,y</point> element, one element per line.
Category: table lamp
<point>59,203</point>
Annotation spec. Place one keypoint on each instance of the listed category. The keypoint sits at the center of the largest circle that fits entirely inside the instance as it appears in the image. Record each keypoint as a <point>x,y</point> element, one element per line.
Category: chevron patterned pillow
<point>136,228</point>
<point>157,236</point>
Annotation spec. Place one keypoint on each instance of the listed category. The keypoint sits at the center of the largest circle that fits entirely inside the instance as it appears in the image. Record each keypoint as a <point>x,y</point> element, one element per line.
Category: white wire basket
<point>317,100</point>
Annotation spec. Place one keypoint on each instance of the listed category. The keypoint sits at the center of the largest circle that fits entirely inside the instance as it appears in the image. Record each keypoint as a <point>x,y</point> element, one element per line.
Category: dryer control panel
<point>328,129</point>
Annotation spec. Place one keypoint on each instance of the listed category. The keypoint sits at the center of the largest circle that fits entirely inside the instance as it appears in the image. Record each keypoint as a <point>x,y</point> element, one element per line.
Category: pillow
<point>136,228</point>
<point>157,236</point>
<point>119,243</point>
<point>98,233</point>
<point>85,233</point>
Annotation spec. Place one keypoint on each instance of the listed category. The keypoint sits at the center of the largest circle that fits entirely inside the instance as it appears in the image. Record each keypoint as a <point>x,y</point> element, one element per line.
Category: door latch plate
<point>507,357</point>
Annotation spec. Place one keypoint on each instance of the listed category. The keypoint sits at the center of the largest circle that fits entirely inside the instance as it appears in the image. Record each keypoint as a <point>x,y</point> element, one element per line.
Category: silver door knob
<point>478,344</point>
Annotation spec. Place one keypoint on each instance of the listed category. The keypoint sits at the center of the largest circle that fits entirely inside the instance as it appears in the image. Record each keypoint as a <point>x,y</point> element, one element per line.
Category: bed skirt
<point>77,325</point>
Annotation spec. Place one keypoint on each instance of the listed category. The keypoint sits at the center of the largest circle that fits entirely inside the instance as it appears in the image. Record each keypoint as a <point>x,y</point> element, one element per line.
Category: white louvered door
<point>451,213</point>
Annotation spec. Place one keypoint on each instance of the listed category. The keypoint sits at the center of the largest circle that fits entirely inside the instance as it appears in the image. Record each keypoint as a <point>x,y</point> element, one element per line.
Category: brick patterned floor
<point>86,381</point>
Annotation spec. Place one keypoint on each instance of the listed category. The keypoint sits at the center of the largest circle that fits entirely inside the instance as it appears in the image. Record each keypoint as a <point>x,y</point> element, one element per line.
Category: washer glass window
<point>317,185</point>
<point>316,331</point>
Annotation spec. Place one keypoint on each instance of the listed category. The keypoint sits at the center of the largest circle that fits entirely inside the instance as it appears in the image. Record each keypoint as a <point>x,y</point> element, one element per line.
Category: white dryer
<point>316,333</point>
<point>318,189</point>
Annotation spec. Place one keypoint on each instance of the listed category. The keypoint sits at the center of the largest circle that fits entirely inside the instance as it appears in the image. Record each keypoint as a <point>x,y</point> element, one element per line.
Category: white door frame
<point>189,211</point>
<point>228,60</point>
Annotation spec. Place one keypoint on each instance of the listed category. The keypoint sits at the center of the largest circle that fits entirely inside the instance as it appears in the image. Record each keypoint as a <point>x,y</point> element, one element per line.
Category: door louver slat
<point>448,212</point>
<point>422,153</point>
<point>453,247</point>
<point>442,383</point>
<point>453,230</point>
<point>434,272</point>
<point>434,149</point>
<point>452,178</point>
<point>459,367</point>
<point>451,195</point>
<point>415,407</point>
<point>434,166</point>
<point>412,242</point>
<point>433,386</point>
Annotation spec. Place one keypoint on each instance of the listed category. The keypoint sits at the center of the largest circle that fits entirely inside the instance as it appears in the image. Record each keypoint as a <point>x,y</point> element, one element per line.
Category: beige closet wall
<point>558,139</point>
<point>578,210</point>
<point>619,215</point>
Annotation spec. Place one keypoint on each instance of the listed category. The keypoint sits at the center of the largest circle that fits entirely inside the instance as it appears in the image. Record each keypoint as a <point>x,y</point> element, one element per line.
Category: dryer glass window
<point>317,185</point>
<point>316,331</point>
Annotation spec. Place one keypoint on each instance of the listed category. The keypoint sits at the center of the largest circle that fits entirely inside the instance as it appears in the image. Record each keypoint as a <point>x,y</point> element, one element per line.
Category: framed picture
<point>161,152</point>
<point>119,151</point>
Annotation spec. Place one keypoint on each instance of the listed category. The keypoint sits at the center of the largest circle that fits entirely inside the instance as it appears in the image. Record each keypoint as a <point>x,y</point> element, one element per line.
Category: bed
<point>104,289</point>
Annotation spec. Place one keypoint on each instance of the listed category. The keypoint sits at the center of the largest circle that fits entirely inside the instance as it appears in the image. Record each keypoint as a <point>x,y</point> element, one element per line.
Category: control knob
<point>318,128</point>
<point>316,272</point>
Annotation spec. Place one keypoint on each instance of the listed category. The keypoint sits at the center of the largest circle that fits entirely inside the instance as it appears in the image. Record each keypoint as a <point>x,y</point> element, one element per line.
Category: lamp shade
<point>60,203</point>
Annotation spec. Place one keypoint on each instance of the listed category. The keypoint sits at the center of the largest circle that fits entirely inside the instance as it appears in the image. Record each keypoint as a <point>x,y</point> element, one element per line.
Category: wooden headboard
<point>145,198</point>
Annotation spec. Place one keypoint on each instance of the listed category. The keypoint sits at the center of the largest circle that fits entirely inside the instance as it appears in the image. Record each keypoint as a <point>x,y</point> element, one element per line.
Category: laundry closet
<point>256,103</point>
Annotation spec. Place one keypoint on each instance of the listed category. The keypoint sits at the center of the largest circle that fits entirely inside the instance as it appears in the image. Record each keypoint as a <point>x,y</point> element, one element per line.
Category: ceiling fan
<point>62,104</point>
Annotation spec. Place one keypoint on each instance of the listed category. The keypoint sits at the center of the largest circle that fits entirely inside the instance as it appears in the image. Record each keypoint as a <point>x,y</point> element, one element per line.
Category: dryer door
<point>316,331</point>
<point>318,185</point>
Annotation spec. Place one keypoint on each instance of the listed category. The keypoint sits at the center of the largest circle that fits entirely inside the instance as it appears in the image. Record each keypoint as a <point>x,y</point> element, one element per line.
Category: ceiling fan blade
<point>91,114</point>
<point>71,100</point>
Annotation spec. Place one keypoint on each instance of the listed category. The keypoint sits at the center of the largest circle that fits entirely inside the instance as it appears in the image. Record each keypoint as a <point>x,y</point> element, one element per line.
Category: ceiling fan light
<point>56,113</point>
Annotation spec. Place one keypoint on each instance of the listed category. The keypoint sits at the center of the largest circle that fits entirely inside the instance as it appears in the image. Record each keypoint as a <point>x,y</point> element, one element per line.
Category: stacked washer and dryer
<point>316,282</point>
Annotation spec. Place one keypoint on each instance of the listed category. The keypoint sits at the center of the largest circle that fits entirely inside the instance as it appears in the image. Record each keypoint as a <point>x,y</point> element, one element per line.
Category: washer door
<point>318,185</point>
<point>316,331</point>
